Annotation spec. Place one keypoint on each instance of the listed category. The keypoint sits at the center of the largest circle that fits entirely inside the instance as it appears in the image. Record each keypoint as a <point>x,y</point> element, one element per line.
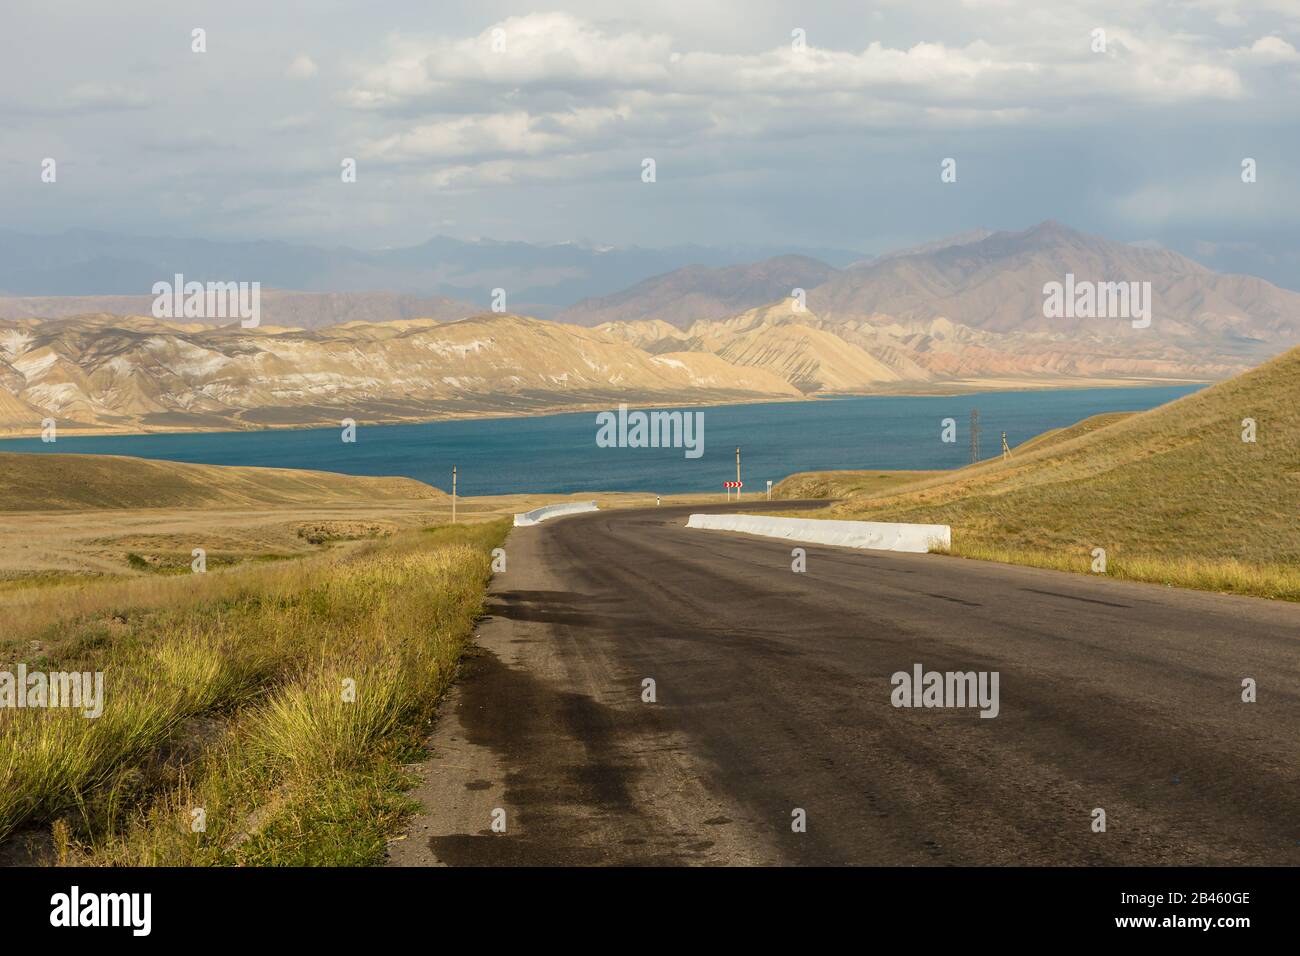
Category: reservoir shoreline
<point>559,453</point>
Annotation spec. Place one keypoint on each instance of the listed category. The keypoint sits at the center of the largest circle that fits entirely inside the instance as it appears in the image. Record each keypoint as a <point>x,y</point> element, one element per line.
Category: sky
<point>772,123</point>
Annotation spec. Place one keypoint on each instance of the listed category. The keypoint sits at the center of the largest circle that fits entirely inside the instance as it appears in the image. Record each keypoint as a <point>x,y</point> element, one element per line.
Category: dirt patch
<point>322,532</point>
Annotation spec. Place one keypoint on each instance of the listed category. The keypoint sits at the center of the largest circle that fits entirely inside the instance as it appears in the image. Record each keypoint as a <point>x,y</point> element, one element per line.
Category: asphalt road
<point>773,694</point>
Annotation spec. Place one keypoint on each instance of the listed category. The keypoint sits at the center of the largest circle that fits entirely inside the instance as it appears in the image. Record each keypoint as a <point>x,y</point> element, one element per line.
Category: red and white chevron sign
<point>733,484</point>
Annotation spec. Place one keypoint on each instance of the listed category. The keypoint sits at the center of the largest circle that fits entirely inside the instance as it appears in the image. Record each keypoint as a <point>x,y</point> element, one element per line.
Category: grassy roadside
<point>1001,531</point>
<point>258,716</point>
<point>1173,495</point>
<point>1227,576</point>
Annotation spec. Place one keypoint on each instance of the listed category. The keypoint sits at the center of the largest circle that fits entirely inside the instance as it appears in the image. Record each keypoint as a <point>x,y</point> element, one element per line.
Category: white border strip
<point>876,535</point>
<point>538,515</point>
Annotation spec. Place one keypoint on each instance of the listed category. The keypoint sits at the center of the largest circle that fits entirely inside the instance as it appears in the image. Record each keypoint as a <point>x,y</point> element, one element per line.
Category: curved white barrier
<point>538,515</point>
<point>877,535</point>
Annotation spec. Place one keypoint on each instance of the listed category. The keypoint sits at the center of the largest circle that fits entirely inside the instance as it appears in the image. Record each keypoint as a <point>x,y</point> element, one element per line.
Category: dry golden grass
<point>1173,494</point>
<point>56,615</point>
<point>229,692</point>
<point>840,484</point>
<point>45,548</point>
<point>56,482</point>
<point>224,689</point>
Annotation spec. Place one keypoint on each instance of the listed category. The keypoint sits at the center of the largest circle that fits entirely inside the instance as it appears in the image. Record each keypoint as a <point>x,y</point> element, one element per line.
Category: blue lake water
<point>558,453</point>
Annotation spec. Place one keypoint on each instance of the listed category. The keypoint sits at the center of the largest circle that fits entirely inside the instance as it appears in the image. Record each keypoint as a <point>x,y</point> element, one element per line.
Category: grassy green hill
<point>45,482</point>
<point>1173,494</point>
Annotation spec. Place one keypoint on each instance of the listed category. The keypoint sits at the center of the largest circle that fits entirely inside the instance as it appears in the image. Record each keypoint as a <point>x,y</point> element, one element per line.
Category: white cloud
<point>556,85</point>
<point>544,135</point>
<point>303,67</point>
<point>1269,50</point>
<point>466,136</point>
<point>535,56</point>
<point>547,49</point>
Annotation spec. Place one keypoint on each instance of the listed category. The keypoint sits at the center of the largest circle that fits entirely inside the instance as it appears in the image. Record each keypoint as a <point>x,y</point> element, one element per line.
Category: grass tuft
<point>280,702</point>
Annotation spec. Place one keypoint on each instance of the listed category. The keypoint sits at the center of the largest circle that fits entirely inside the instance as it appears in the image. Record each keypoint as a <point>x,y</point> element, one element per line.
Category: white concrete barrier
<point>538,515</point>
<point>877,535</point>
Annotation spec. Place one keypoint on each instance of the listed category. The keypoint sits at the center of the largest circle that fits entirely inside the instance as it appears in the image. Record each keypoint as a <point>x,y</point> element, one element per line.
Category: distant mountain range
<point>968,310</point>
<point>538,277</point>
<point>991,281</point>
<point>996,284</point>
<point>305,310</point>
<point>962,313</point>
<point>698,292</point>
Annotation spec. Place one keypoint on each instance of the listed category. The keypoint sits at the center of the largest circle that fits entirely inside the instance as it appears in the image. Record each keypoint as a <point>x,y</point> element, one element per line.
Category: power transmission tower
<point>974,435</point>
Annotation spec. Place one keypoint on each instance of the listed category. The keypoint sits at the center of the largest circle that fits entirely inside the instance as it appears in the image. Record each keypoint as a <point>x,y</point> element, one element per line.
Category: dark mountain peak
<point>695,292</point>
<point>1052,228</point>
<point>1049,232</point>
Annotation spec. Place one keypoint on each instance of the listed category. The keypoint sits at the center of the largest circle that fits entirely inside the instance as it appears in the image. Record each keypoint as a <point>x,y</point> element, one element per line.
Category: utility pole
<point>453,494</point>
<point>974,435</point>
<point>1006,449</point>
<point>737,474</point>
